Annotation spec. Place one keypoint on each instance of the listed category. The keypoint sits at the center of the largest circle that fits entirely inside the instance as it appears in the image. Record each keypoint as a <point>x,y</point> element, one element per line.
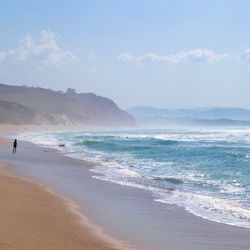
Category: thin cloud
<point>2,55</point>
<point>126,57</point>
<point>246,55</point>
<point>59,58</point>
<point>197,55</point>
<point>44,50</point>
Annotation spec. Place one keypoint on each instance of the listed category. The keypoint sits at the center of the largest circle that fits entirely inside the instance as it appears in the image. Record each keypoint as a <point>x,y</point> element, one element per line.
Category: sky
<point>161,53</point>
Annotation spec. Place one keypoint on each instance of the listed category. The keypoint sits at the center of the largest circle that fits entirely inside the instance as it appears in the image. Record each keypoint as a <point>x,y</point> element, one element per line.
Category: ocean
<point>204,170</point>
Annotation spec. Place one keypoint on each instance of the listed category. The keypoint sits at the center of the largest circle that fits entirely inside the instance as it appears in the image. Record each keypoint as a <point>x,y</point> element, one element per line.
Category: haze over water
<point>205,171</point>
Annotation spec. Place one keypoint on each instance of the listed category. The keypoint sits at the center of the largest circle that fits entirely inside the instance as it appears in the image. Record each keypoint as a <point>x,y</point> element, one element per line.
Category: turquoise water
<point>205,171</point>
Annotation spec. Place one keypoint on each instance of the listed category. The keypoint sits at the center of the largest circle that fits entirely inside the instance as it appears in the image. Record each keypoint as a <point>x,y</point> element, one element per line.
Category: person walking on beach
<point>14,146</point>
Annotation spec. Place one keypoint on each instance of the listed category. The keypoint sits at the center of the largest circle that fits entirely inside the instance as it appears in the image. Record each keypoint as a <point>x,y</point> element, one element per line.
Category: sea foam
<point>205,171</point>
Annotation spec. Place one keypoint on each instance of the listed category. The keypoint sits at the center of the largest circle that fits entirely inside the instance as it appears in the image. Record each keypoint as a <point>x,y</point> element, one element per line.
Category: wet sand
<point>32,217</point>
<point>130,215</point>
<point>3,141</point>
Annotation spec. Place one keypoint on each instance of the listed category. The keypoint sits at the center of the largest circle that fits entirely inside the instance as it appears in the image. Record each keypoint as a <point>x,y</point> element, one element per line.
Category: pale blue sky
<point>172,53</point>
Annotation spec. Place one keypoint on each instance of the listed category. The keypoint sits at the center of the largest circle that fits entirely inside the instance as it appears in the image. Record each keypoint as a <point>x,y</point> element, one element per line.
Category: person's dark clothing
<point>14,146</point>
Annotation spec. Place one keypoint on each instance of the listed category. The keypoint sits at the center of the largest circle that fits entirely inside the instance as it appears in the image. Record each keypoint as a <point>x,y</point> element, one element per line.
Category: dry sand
<point>33,218</point>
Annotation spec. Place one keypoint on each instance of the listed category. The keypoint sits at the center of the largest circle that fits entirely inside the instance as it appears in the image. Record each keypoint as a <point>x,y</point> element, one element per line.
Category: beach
<point>33,217</point>
<point>127,214</point>
<point>125,125</point>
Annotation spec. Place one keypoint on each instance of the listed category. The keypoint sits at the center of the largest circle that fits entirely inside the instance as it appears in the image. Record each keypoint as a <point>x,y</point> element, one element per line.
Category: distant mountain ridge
<point>236,114</point>
<point>35,105</point>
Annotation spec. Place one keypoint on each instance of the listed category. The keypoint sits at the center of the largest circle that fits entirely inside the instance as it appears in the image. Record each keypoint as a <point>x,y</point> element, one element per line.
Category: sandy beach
<point>125,125</point>
<point>128,214</point>
<point>32,217</point>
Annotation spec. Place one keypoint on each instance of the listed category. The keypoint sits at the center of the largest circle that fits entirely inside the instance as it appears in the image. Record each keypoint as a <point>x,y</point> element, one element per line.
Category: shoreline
<point>50,222</point>
<point>34,216</point>
<point>137,218</point>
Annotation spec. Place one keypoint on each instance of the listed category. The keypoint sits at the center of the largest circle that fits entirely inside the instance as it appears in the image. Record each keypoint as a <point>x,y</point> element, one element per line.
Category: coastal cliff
<point>22,105</point>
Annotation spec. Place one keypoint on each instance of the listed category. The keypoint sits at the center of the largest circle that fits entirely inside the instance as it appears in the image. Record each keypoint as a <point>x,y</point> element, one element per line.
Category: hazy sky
<point>169,53</point>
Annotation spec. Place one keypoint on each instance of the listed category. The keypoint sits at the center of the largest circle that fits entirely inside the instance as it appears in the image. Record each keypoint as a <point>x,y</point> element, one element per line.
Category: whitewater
<point>204,170</point>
